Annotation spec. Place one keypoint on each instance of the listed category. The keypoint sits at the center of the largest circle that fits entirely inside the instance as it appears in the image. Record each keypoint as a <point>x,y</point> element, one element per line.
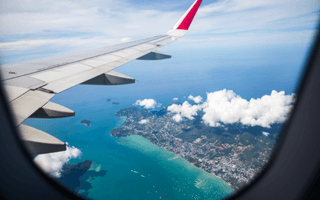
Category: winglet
<point>183,24</point>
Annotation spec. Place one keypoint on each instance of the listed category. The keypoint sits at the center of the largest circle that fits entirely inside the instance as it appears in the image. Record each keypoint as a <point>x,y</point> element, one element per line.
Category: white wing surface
<point>30,85</point>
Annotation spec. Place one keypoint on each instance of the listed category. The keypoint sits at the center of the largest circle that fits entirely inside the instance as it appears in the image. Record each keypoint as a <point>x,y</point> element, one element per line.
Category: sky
<point>35,28</point>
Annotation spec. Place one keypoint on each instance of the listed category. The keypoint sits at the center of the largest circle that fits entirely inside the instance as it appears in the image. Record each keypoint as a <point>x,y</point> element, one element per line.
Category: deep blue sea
<point>136,169</point>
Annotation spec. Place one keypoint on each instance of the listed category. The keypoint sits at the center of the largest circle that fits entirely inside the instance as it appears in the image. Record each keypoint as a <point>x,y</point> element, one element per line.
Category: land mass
<point>86,122</point>
<point>77,177</point>
<point>233,152</point>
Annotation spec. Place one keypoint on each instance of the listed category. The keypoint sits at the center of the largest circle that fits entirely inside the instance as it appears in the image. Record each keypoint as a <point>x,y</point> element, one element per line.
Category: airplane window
<point>203,115</point>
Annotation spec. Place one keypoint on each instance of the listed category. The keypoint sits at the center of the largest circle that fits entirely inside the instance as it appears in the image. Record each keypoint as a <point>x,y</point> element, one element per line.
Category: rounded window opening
<point>196,119</point>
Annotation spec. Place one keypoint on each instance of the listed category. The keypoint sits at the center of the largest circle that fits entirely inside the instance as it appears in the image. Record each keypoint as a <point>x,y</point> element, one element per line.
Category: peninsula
<point>233,152</point>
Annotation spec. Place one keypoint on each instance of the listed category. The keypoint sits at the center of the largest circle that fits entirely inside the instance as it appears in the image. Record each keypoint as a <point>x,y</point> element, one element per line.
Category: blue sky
<point>34,29</point>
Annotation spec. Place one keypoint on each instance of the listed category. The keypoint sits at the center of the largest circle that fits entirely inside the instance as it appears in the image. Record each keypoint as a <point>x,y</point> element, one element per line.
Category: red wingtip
<point>185,24</point>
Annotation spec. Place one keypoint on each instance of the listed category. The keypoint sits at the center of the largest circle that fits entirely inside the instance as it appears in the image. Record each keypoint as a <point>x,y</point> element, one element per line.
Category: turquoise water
<point>136,169</point>
<point>150,172</point>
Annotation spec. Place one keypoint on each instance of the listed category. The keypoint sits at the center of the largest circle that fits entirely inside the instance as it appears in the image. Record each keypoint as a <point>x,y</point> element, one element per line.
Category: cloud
<point>80,43</point>
<point>143,121</point>
<point>147,103</point>
<point>265,133</point>
<point>197,99</point>
<point>185,110</point>
<point>175,99</point>
<point>125,39</point>
<point>177,118</point>
<point>52,163</point>
<point>246,15</point>
<point>253,23</point>
<point>227,107</point>
<point>99,17</point>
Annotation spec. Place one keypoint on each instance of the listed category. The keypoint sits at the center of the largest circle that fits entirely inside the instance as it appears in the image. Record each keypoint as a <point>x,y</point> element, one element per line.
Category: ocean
<point>137,169</point>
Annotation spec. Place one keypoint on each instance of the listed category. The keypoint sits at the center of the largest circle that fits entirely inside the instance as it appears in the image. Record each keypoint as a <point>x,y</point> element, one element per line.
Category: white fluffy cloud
<point>146,103</point>
<point>177,118</point>
<point>175,99</point>
<point>197,99</point>
<point>265,133</point>
<point>143,121</point>
<point>52,163</point>
<point>227,107</point>
<point>185,110</point>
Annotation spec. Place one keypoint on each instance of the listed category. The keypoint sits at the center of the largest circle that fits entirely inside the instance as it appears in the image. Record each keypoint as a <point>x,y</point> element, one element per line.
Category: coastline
<point>139,143</point>
<point>235,156</point>
<point>173,158</point>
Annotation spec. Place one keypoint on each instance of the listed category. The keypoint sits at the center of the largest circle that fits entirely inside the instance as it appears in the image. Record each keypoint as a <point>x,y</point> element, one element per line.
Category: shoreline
<point>176,155</point>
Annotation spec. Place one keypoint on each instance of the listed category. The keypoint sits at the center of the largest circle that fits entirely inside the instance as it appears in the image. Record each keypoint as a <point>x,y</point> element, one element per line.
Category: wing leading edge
<point>30,85</point>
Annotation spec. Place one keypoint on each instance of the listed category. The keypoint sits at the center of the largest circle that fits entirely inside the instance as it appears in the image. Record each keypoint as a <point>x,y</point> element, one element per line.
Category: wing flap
<point>25,82</point>
<point>107,58</point>
<point>73,68</point>
<point>70,81</point>
<point>144,47</point>
<point>126,52</point>
<point>49,76</point>
<point>93,63</point>
<point>61,72</point>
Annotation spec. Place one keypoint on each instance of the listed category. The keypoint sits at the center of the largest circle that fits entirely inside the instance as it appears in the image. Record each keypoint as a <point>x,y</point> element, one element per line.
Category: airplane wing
<point>30,85</point>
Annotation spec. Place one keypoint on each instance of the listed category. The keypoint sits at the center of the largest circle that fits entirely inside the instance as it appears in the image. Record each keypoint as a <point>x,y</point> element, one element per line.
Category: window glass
<point>199,125</point>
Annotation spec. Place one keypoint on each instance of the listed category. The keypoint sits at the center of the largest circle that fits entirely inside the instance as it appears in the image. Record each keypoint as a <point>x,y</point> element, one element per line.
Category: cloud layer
<point>52,163</point>
<point>259,22</point>
<point>223,22</point>
<point>227,107</point>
